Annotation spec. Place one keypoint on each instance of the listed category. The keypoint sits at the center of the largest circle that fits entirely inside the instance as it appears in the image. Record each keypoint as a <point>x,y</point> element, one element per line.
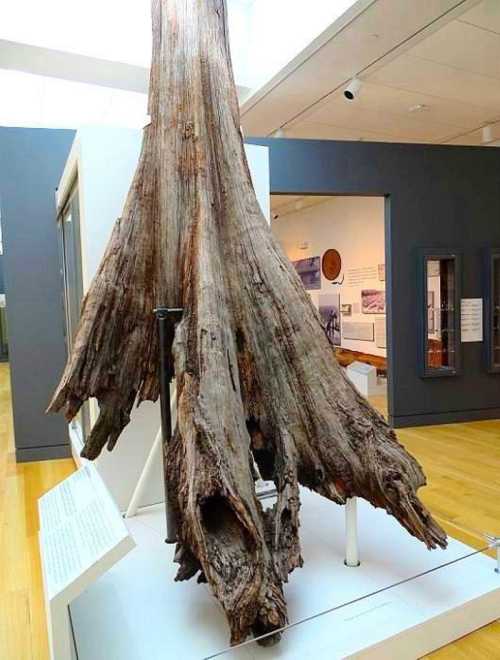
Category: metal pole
<point>167,320</point>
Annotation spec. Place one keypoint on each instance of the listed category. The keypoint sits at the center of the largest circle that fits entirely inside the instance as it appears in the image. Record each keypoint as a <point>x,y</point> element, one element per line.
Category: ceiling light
<point>280,133</point>
<point>487,134</point>
<point>419,107</point>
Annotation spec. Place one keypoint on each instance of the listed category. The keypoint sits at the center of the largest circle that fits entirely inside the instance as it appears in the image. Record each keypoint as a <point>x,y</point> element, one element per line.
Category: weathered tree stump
<point>257,379</point>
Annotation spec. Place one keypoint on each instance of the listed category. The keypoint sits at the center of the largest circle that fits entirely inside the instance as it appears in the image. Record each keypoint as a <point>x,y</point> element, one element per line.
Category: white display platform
<point>137,612</point>
<point>82,535</point>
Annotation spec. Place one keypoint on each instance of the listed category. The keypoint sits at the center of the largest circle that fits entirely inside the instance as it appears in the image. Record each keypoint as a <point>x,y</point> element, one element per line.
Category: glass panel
<point>496,312</point>
<point>440,351</point>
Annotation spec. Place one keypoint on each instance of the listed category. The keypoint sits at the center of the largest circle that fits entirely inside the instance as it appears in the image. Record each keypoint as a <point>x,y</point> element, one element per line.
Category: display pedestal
<point>137,612</point>
<point>364,378</point>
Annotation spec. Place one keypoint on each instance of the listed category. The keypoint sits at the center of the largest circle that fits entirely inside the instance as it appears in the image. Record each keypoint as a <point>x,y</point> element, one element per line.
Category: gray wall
<point>437,197</point>
<point>31,163</point>
<point>2,276</point>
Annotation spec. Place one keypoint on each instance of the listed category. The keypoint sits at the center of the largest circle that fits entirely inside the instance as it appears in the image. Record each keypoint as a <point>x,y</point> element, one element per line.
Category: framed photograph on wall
<point>358,331</point>
<point>373,301</point>
<point>380,333</point>
<point>309,271</point>
<point>329,310</point>
<point>346,310</point>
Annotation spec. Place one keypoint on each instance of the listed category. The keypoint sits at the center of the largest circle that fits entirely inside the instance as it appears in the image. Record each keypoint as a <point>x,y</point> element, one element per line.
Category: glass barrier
<point>336,611</point>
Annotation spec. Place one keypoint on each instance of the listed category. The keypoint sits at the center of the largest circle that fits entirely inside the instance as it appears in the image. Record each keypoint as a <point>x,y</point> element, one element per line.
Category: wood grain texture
<point>259,389</point>
<point>23,633</point>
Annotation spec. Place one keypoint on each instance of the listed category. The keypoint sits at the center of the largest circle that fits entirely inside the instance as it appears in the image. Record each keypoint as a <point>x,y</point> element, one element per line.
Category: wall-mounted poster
<point>346,310</point>
<point>357,331</point>
<point>372,301</point>
<point>329,310</point>
<point>381,272</point>
<point>309,271</point>
<point>433,268</point>
<point>380,333</point>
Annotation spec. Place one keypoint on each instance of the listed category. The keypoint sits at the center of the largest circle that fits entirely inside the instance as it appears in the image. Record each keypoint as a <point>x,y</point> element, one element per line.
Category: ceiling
<point>430,73</point>
<point>285,204</point>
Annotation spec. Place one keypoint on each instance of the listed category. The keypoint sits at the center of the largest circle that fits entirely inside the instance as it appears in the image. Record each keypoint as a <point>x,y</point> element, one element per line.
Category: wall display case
<point>439,301</point>
<point>492,310</point>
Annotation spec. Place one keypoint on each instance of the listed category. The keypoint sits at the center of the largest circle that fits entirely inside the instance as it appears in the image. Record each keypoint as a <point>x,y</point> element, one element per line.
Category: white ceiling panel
<point>393,101</point>
<point>485,15</point>
<point>463,46</point>
<point>284,204</point>
<point>377,30</point>
<point>312,131</point>
<point>467,140</point>
<point>362,115</point>
<point>272,112</point>
<point>418,75</point>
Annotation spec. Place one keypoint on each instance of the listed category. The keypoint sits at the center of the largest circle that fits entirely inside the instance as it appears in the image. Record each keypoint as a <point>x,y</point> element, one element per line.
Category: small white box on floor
<point>381,609</point>
<point>364,378</point>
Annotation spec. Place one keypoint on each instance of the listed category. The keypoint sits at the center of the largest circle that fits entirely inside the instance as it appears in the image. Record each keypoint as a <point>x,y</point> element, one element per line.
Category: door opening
<point>337,245</point>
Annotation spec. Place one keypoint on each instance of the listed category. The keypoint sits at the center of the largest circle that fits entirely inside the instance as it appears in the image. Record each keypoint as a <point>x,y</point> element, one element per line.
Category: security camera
<point>352,89</point>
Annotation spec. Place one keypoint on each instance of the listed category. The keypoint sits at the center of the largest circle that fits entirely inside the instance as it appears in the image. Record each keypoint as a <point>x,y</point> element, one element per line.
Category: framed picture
<point>309,271</point>
<point>329,310</point>
<point>358,331</point>
<point>346,310</point>
<point>373,301</point>
<point>380,333</point>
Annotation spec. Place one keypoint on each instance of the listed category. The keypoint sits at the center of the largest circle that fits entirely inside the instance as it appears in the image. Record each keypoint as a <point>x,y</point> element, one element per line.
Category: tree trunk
<point>257,379</point>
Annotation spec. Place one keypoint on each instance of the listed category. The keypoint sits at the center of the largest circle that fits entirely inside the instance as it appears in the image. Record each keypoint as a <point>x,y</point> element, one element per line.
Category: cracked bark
<point>257,379</point>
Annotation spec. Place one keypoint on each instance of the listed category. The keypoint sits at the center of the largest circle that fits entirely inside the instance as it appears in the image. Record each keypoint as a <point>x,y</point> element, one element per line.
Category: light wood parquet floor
<point>462,462</point>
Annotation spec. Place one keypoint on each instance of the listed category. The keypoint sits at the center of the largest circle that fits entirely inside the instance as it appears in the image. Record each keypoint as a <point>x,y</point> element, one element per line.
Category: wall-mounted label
<point>472,320</point>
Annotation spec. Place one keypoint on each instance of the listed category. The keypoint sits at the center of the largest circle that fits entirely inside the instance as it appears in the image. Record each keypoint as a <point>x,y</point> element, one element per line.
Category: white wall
<point>355,227</point>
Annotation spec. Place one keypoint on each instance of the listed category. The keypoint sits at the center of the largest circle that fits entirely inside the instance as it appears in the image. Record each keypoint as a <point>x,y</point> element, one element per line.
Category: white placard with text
<point>82,535</point>
<point>472,320</point>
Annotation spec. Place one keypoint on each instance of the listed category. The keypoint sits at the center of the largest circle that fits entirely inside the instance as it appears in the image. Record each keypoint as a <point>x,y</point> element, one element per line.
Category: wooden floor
<point>462,463</point>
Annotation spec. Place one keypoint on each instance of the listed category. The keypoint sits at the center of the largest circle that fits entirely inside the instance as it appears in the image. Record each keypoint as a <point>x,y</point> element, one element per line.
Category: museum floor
<point>461,461</point>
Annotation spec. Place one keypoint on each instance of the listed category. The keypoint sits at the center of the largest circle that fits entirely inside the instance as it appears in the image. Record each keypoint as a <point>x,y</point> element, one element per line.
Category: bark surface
<point>257,379</point>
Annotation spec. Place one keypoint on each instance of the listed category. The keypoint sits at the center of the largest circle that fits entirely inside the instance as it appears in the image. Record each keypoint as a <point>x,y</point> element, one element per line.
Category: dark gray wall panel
<point>437,196</point>
<point>2,276</point>
<point>31,163</point>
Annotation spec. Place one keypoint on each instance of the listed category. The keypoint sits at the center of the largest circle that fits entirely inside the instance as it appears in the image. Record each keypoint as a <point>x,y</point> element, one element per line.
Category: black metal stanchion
<point>167,320</point>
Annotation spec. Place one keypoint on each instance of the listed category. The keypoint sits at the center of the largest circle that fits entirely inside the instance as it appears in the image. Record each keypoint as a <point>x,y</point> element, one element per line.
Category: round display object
<point>331,264</point>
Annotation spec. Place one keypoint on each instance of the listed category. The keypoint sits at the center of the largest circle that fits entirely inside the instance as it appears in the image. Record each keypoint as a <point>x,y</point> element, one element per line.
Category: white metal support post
<point>153,458</point>
<point>351,533</point>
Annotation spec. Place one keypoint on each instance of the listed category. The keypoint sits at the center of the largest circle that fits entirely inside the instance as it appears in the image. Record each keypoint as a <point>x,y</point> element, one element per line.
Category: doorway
<point>337,245</point>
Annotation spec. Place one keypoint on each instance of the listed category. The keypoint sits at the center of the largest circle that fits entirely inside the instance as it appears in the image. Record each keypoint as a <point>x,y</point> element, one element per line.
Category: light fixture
<point>419,107</point>
<point>487,134</point>
<point>352,89</point>
<point>280,133</point>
